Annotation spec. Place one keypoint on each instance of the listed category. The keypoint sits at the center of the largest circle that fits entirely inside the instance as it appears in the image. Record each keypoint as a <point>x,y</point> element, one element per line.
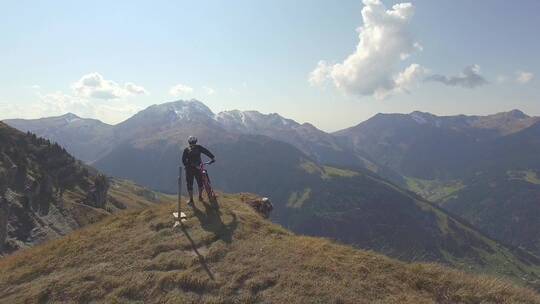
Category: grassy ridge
<point>227,255</point>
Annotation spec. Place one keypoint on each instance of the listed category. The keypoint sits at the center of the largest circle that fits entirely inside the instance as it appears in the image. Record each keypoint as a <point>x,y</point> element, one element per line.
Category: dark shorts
<point>191,174</point>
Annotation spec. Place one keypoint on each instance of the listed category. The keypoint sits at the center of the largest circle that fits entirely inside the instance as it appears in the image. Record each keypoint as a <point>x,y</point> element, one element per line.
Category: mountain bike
<point>207,185</point>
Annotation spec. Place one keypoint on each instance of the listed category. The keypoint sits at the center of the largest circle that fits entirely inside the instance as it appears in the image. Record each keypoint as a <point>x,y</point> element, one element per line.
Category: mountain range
<point>323,184</point>
<point>91,139</point>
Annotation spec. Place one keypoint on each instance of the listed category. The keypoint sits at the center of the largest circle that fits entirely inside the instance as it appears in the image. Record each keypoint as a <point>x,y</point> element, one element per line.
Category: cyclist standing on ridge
<point>191,158</point>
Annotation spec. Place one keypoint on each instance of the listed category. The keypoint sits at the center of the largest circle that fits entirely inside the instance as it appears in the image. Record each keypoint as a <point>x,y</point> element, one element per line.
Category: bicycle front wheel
<point>208,187</point>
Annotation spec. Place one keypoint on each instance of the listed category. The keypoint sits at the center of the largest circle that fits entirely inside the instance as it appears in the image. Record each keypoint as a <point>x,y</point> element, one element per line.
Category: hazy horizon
<point>267,113</point>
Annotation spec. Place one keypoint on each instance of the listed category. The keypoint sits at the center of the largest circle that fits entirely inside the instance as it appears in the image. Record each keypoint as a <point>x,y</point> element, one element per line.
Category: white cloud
<point>321,74</point>
<point>60,103</point>
<point>12,110</point>
<point>114,113</point>
<point>180,89</point>
<point>91,97</point>
<point>208,90</point>
<point>410,77</point>
<point>93,85</point>
<point>135,89</point>
<point>524,77</point>
<point>384,41</point>
<point>470,78</point>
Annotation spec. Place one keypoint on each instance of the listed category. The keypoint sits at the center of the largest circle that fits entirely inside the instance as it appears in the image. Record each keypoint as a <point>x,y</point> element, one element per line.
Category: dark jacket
<point>192,155</point>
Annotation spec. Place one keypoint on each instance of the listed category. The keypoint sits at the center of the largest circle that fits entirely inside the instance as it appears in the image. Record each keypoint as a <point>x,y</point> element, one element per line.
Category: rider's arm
<point>185,158</point>
<point>207,153</point>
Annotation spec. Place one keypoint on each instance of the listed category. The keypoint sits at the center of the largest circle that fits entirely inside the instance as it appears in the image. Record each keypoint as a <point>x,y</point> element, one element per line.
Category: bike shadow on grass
<point>211,219</point>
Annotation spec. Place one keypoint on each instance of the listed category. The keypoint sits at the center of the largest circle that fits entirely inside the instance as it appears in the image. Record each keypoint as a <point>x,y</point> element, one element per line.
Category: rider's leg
<point>198,177</point>
<point>190,202</point>
<point>200,194</point>
<point>189,179</point>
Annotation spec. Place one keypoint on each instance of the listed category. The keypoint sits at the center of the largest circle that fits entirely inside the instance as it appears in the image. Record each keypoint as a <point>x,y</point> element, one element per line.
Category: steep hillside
<point>46,193</point>
<point>502,196</point>
<point>227,255</point>
<point>503,200</point>
<point>482,168</point>
<point>504,205</point>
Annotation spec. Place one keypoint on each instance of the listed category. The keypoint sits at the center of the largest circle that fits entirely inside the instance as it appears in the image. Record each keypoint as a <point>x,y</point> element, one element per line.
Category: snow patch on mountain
<point>70,118</point>
<point>253,119</point>
<point>186,110</point>
<point>419,118</point>
<point>423,118</point>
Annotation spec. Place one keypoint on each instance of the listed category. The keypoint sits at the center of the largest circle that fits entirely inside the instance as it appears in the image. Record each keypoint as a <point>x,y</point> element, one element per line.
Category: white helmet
<point>192,140</point>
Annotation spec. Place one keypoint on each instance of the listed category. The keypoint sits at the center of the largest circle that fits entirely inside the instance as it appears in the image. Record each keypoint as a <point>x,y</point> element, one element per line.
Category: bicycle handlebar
<point>204,163</point>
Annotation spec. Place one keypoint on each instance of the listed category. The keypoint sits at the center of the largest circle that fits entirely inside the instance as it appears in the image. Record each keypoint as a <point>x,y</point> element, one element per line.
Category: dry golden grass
<point>226,255</point>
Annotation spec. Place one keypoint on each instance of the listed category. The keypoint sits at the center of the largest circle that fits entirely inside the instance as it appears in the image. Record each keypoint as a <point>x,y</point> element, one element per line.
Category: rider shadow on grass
<point>211,220</point>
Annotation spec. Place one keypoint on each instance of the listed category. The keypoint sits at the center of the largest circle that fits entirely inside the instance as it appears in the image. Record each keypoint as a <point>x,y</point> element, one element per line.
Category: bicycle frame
<point>207,185</point>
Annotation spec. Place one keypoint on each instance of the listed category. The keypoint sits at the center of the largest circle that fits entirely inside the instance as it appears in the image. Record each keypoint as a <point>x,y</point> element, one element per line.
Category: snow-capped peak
<point>70,118</point>
<point>187,110</point>
<point>253,119</point>
<point>425,118</point>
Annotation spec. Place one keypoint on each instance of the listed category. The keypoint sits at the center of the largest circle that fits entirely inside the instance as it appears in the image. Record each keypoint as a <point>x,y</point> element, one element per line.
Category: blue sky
<point>109,59</point>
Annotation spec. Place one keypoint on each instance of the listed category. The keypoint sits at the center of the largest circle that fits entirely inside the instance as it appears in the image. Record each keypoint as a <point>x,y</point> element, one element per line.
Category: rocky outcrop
<point>4,178</point>
<point>97,195</point>
<point>46,195</point>
<point>3,222</point>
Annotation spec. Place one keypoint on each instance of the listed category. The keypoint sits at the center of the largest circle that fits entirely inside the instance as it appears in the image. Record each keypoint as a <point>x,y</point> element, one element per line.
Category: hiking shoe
<point>190,204</point>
